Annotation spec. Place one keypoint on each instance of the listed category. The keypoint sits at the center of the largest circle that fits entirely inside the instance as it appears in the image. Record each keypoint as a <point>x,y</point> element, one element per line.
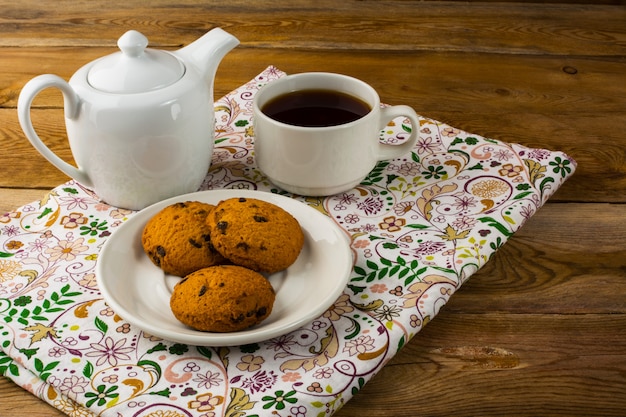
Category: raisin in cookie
<point>177,238</point>
<point>256,234</point>
<point>225,298</point>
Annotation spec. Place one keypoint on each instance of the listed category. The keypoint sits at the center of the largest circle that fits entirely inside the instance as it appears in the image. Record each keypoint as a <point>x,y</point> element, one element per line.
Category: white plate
<point>139,292</point>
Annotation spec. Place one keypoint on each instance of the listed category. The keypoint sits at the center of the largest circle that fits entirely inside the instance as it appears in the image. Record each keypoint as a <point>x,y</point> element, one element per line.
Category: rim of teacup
<point>315,80</point>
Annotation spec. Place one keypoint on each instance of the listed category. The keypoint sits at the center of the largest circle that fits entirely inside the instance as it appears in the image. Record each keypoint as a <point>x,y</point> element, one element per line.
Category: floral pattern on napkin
<point>419,227</point>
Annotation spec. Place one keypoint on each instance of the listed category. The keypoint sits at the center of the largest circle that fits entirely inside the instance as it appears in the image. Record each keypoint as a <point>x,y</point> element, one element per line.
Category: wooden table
<point>541,329</point>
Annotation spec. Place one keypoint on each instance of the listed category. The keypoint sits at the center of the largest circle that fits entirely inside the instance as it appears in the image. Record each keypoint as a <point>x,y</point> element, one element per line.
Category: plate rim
<point>231,338</point>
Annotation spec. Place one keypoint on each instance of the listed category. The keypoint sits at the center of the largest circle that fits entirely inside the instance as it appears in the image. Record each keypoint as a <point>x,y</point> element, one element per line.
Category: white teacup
<point>324,160</point>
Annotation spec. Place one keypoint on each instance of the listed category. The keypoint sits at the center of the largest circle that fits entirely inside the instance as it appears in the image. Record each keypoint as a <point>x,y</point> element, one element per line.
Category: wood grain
<point>539,330</point>
<point>521,99</point>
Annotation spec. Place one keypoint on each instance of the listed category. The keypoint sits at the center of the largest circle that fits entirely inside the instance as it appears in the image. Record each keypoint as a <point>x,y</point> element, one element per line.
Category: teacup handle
<point>387,151</point>
<point>71,103</point>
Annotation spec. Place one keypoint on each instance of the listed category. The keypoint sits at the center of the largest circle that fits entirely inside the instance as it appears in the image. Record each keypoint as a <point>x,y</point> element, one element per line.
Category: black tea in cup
<point>316,108</point>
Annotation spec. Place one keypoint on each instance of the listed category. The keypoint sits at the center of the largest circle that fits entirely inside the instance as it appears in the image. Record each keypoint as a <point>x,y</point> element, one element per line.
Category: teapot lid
<point>135,69</point>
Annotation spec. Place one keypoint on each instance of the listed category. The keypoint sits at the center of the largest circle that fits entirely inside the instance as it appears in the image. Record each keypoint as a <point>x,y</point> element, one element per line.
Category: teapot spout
<point>207,52</point>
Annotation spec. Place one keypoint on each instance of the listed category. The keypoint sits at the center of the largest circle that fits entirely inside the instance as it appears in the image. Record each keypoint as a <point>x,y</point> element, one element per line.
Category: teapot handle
<point>72,107</point>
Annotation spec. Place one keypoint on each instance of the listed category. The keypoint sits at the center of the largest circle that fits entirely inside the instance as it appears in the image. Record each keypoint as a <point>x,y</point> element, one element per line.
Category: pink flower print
<point>73,202</point>
<point>67,250</point>
<point>73,385</point>
<point>346,199</point>
<point>11,230</point>
<point>503,155</point>
<point>283,342</point>
<point>371,205</point>
<point>360,345</point>
<point>464,202</point>
<point>409,169</point>
<point>206,402</point>
<point>450,132</point>
<point>378,288</point>
<point>323,373</point>
<point>110,351</point>
<point>38,245</point>
<point>56,352</point>
<point>539,154</point>
<point>426,145</point>
<point>430,247</point>
<point>361,243</point>
<point>351,218</point>
<point>73,220</point>
<point>291,377</point>
<point>392,224</point>
<point>527,211</point>
<point>250,363</point>
<point>260,381</point>
<point>102,207</point>
<point>208,380</point>
<point>368,228</point>
<point>191,367</point>
<point>464,222</point>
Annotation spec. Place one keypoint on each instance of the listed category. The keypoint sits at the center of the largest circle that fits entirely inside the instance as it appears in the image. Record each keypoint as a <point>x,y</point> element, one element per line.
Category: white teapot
<point>140,122</point>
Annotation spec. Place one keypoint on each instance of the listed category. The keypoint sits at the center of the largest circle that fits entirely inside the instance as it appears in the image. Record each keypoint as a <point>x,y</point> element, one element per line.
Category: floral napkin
<point>419,227</point>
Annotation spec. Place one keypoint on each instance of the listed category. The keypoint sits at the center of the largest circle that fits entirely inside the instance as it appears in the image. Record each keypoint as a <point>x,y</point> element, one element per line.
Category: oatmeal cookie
<point>256,234</point>
<point>177,239</point>
<point>225,298</point>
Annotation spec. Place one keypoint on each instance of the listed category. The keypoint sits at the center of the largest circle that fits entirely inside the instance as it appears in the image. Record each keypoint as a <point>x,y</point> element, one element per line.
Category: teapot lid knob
<point>136,68</point>
<point>132,43</point>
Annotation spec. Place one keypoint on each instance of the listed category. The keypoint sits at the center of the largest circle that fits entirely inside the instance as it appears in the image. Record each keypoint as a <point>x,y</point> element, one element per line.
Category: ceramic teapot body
<point>137,136</point>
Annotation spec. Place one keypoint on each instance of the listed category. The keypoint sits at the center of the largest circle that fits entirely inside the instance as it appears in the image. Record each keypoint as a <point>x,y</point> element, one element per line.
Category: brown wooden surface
<point>541,329</point>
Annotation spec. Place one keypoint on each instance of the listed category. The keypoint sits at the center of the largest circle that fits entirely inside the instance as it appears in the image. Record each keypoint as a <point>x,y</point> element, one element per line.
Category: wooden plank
<point>11,199</point>
<point>565,260</point>
<point>15,400</point>
<point>547,29</point>
<point>482,83</point>
<point>502,364</point>
<point>489,364</point>
<point>523,99</point>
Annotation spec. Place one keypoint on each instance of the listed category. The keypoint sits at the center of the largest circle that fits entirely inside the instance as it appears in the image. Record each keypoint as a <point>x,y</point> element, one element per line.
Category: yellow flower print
<point>67,250</point>
<point>391,224</point>
<point>206,402</point>
<point>71,408</point>
<point>450,132</point>
<point>14,244</point>
<point>120,213</point>
<point>341,307</point>
<point>7,217</point>
<point>8,270</point>
<point>73,220</point>
<point>250,363</point>
<point>510,170</point>
<point>489,188</point>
